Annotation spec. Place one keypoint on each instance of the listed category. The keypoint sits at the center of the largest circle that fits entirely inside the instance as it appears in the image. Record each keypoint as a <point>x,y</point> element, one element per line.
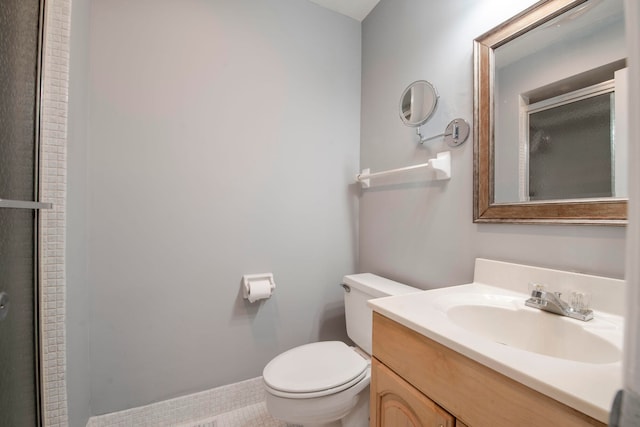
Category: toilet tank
<point>362,288</point>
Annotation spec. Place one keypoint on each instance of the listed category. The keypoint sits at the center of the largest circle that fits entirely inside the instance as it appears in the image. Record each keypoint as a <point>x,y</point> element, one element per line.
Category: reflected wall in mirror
<point>417,103</point>
<point>550,116</point>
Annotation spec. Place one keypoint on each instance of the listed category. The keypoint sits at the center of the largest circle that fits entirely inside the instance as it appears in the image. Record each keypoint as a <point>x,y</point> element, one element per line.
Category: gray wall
<point>422,232</point>
<point>77,284</point>
<point>220,138</point>
<point>223,139</point>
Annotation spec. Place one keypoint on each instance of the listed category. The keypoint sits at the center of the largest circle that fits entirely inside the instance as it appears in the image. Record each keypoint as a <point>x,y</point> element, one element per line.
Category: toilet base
<point>338,411</point>
<point>359,415</point>
<point>333,424</point>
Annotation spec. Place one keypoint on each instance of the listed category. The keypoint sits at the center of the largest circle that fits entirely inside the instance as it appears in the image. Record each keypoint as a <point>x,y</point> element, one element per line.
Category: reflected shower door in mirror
<point>551,115</point>
<point>568,147</point>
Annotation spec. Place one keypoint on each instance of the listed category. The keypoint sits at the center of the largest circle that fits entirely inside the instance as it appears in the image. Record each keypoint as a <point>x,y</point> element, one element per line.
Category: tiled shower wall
<point>52,231</point>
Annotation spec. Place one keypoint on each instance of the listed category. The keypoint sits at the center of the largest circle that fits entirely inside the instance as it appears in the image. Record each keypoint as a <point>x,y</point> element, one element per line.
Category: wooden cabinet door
<point>396,403</point>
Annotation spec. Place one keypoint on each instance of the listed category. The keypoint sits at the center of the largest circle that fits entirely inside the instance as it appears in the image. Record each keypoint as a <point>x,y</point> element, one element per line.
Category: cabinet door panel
<point>396,403</point>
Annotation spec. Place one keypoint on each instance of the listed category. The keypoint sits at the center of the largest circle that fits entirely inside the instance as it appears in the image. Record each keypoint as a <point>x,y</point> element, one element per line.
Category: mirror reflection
<point>569,147</point>
<point>417,103</point>
<point>555,108</point>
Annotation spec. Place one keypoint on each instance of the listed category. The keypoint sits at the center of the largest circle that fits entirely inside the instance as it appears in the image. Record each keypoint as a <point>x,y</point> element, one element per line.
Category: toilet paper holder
<point>247,279</point>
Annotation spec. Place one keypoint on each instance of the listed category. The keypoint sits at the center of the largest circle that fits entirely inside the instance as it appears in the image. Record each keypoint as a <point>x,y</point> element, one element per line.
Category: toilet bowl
<point>326,384</point>
<point>319,384</point>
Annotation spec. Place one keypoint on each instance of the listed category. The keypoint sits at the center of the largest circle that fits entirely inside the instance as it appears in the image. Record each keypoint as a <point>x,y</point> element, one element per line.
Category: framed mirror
<point>417,103</point>
<point>550,116</point>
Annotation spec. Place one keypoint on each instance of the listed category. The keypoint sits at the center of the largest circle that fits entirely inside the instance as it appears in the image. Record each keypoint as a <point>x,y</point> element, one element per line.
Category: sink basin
<point>535,331</point>
<point>576,363</point>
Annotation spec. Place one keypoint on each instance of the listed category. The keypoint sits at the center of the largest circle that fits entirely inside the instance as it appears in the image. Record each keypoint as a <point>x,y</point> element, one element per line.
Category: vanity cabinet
<point>419,382</point>
<point>398,403</point>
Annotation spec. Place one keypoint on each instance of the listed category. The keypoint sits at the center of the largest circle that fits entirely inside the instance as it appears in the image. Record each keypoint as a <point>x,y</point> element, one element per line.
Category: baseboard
<point>191,408</point>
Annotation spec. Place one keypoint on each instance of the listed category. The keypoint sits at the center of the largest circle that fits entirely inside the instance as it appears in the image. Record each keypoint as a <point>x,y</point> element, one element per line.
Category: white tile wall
<point>52,231</point>
<point>235,405</point>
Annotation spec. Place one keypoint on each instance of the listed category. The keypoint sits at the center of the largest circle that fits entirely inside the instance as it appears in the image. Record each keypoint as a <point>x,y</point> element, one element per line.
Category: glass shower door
<point>20,58</point>
<point>18,357</point>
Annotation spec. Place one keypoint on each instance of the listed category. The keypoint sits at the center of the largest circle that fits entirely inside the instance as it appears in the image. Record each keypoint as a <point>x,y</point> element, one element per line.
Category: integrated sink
<point>536,331</point>
<point>575,362</point>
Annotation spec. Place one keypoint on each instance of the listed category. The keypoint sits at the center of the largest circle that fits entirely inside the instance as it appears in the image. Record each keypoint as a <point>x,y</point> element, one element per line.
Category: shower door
<point>20,76</point>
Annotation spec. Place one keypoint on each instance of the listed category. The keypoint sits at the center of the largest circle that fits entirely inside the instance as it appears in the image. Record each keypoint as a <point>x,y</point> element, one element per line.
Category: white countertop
<point>587,387</point>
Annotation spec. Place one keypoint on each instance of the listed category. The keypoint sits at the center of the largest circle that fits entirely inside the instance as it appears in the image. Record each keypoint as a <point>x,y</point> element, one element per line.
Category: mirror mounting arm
<point>456,133</point>
<point>424,139</point>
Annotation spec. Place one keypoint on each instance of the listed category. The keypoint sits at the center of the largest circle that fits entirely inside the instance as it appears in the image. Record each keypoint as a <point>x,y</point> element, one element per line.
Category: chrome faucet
<point>553,303</point>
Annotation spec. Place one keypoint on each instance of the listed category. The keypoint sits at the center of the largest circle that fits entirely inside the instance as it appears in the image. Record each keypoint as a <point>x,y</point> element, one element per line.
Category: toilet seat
<point>315,370</point>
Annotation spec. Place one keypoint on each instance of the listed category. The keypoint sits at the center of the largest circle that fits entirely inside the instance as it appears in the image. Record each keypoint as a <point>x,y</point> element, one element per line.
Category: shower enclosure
<point>21,39</point>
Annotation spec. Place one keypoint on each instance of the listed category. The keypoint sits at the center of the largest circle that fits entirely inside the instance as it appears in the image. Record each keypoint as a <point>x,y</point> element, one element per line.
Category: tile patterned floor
<point>240,404</point>
<point>249,416</point>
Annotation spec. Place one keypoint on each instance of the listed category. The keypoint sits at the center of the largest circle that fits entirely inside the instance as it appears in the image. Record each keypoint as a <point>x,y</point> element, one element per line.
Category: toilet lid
<point>314,367</point>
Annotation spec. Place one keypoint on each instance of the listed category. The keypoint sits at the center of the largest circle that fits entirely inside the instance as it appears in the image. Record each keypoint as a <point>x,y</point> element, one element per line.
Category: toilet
<point>326,384</point>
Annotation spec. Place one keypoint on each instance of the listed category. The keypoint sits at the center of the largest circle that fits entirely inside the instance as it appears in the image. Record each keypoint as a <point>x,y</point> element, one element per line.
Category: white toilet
<point>326,384</point>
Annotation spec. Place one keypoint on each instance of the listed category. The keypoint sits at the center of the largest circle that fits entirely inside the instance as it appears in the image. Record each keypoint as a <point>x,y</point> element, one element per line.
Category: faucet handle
<point>535,289</point>
<point>580,301</point>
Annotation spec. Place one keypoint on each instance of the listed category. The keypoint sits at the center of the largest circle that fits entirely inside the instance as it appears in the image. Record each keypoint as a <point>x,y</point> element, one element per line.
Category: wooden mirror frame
<point>603,212</point>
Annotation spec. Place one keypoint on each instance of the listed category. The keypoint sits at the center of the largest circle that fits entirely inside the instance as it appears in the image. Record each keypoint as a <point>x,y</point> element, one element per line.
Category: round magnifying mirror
<point>417,103</point>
